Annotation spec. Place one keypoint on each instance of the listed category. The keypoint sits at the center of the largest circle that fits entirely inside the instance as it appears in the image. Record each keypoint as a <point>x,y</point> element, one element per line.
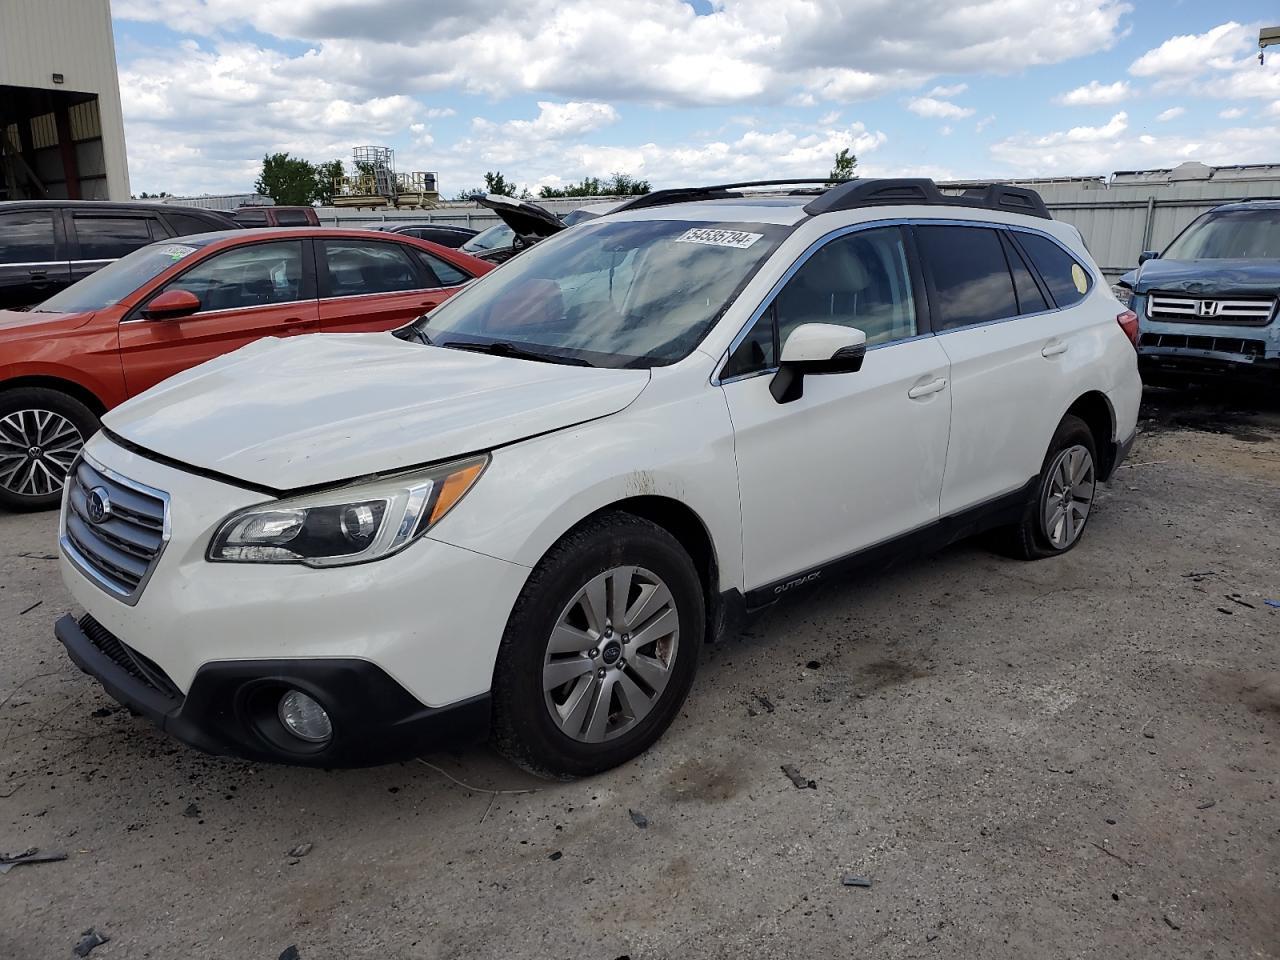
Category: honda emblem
<point>1207,308</point>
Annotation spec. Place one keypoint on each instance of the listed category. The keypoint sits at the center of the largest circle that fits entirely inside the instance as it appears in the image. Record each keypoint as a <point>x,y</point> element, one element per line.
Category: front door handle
<point>38,274</point>
<point>1054,348</point>
<point>925,389</point>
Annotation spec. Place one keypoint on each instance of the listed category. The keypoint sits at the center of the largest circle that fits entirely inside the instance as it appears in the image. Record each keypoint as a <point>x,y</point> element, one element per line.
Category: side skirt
<point>999,512</point>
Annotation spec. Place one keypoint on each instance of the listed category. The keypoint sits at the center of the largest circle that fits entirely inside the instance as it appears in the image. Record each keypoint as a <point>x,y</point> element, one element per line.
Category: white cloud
<point>436,112</point>
<point>984,122</point>
<point>929,107</point>
<point>556,121</point>
<point>657,51</point>
<point>1189,54</point>
<point>946,93</point>
<point>1232,113</point>
<point>827,119</point>
<point>1094,93</point>
<point>1171,114</point>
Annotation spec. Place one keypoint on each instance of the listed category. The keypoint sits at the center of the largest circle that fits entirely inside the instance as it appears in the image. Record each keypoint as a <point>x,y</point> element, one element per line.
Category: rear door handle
<point>925,389</point>
<point>38,274</point>
<point>1054,348</point>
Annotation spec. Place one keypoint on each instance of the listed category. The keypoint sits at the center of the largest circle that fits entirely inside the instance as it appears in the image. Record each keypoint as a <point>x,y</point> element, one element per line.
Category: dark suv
<point>46,245</point>
<point>1206,306</point>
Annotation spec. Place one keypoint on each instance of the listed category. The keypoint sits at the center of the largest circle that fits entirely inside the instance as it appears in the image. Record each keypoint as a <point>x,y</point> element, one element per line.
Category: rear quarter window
<point>1067,279</point>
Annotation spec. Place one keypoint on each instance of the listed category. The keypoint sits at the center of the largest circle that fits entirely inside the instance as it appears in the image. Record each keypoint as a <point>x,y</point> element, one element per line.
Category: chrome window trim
<point>222,310</point>
<point>39,263</point>
<point>82,563</point>
<point>826,238</point>
<point>384,293</point>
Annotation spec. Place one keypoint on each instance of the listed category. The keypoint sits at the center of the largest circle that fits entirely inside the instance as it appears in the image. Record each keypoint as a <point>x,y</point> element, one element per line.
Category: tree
<point>289,181</point>
<point>495,182</point>
<point>846,164</point>
<point>150,196</point>
<point>618,185</point>
<point>326,173</point>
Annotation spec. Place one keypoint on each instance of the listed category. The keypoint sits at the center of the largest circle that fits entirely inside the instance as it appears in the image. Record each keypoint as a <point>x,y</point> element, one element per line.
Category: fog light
<point>304,718</point>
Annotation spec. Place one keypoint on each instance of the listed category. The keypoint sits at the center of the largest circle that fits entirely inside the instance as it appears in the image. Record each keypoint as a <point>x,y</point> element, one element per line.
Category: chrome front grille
<point>1245,312</point>
<point>114,529</point>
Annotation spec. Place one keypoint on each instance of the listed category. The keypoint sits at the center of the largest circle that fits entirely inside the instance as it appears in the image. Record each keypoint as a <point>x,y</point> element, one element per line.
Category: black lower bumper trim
<point>1119,451</point>
<point>230,709</point>
<point>1155,366</point>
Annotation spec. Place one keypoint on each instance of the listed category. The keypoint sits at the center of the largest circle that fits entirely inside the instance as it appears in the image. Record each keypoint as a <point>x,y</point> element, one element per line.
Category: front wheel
<point>1054,519</point>
<point>41,432</point>
<point>600,650</point>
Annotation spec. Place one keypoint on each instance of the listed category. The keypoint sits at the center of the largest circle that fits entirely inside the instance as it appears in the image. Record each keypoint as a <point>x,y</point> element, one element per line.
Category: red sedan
<point>177,303</point>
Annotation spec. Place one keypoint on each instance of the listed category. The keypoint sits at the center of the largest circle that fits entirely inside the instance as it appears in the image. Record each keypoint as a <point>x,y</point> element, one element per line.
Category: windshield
<point>1231,234</point>
<point>632,293</point>
<point>116,281</point>
<point>499,235</point>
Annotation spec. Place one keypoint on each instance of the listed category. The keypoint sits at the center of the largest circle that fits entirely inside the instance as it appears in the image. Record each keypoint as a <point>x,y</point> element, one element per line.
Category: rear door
<point>374,285</point>
<point>97,239</point>
<point>1010,351</point>
<point>248,292</point>
<point>33,259</point>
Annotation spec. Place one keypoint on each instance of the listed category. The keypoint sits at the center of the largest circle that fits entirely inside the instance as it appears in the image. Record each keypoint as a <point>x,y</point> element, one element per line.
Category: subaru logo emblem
<point>1207,308</point>
<point>98,505</point>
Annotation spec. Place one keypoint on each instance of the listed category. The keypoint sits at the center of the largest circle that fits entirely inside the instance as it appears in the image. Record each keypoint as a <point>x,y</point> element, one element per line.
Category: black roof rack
<point>849,194</point>
<point>719,191</point>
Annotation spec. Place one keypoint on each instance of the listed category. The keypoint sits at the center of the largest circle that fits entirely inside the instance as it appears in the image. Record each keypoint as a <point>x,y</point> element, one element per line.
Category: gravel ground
<point>1070,758</point>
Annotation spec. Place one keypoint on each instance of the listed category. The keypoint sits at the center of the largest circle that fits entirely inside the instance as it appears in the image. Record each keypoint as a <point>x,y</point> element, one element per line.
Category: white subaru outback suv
<point>522,515</point>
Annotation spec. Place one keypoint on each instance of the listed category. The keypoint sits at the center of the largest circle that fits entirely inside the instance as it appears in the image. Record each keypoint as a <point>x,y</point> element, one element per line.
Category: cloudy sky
<point>548,91</point>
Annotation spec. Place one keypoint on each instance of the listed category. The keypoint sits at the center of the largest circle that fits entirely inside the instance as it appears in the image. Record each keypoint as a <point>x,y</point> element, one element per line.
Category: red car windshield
<point>116,281</point>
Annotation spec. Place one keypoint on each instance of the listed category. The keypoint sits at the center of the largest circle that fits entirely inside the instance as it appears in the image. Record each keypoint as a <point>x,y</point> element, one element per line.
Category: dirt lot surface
<point>1072,758</point>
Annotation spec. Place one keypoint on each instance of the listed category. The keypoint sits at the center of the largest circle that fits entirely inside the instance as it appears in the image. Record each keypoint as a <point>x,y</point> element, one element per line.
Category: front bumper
<point>230,707</point>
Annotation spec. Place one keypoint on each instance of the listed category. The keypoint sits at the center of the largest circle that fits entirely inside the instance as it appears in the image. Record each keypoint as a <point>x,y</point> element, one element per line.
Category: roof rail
<point>921,190</point>
<point>719,191</point>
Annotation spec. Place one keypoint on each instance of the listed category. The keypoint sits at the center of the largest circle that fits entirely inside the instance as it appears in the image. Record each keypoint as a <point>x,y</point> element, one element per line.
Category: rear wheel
<point>41,433</point>
<point>600,650</point>
<point>1054,519</point>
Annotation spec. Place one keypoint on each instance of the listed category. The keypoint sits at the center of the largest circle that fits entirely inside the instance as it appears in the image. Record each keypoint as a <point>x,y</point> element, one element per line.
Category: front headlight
<point>355,524</point>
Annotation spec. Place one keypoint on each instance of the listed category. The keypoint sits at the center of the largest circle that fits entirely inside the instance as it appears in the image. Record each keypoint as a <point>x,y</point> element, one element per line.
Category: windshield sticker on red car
<point>176,251</point>
<point>719,238</point>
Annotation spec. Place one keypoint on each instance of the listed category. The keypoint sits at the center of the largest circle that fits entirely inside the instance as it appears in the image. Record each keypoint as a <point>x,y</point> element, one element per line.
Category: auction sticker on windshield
<point>176,251</point>
<point>719,238</point>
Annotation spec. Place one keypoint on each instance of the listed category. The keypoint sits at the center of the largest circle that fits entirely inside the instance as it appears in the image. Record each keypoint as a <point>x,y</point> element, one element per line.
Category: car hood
<point>24,322</point>
<point>525,218</point>
<point>311,410</point>
<point>1248,277</point>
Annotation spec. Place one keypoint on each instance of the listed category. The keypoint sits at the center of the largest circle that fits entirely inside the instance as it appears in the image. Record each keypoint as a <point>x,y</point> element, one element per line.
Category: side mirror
<point>171,305</point>
<point>1146,255</point>
<point>815,348</point>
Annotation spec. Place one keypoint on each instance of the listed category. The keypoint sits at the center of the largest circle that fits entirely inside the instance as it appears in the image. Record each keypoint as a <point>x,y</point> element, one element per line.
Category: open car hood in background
<point>525,218</point>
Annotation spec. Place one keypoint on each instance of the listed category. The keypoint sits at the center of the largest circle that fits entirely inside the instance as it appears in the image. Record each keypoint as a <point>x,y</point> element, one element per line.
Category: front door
<point>859,458</point>
<point>246,293</point>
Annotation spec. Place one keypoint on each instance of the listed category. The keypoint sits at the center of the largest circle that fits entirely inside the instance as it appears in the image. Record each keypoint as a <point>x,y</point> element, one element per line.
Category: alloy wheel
<point>611,654</point>
<point>1068,496</point>
<point>37,448</point>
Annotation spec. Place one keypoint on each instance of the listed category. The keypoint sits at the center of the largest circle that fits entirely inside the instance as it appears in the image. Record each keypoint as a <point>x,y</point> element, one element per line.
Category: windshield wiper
<point>413,331</point>
<point>504,348</point>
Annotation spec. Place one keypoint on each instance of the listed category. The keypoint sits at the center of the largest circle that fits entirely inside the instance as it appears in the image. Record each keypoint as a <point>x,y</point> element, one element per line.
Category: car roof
<point>783,210</point>
<point>1249,205</point>
<point>111,205</point>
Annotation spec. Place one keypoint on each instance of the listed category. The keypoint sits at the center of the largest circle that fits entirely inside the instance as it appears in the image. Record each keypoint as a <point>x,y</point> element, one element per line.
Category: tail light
<point>1128,321</point>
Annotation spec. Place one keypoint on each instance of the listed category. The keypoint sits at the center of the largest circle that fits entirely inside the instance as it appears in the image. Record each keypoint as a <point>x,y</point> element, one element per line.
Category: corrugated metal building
<point>61,129</point>
<point>227,202</point>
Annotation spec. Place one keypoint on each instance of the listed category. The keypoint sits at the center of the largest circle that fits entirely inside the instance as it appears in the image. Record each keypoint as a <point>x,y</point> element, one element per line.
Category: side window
<point>292,218</point>
<point>1067,280</point>
<point>858,280</point>
<point>251,276</point>
<point>110,238</point>
<point>446,273</point>
<point>756,352</point>
<point>360,267</point>
<point>184,224</point>
<point>26,236</point>
<point>970,276</point>
<point>1030,299</point>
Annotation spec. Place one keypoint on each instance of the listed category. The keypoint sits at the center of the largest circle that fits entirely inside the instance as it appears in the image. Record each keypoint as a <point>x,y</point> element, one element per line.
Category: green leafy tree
<point>495,182</point>
<point>845,168</point>
<point>618,185</point>
<point>326,173</point>
<point>150,196</point>
<point>289,181</point>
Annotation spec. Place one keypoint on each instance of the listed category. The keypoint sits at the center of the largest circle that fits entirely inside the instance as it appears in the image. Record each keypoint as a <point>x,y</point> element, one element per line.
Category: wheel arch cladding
<point>69,387</point>
<point>1095,410</point>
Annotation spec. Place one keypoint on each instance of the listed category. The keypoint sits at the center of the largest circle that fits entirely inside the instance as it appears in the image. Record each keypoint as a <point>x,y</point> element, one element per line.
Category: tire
<point>556,733</point>
<point>1038,534</point>
<point>41,432</point>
